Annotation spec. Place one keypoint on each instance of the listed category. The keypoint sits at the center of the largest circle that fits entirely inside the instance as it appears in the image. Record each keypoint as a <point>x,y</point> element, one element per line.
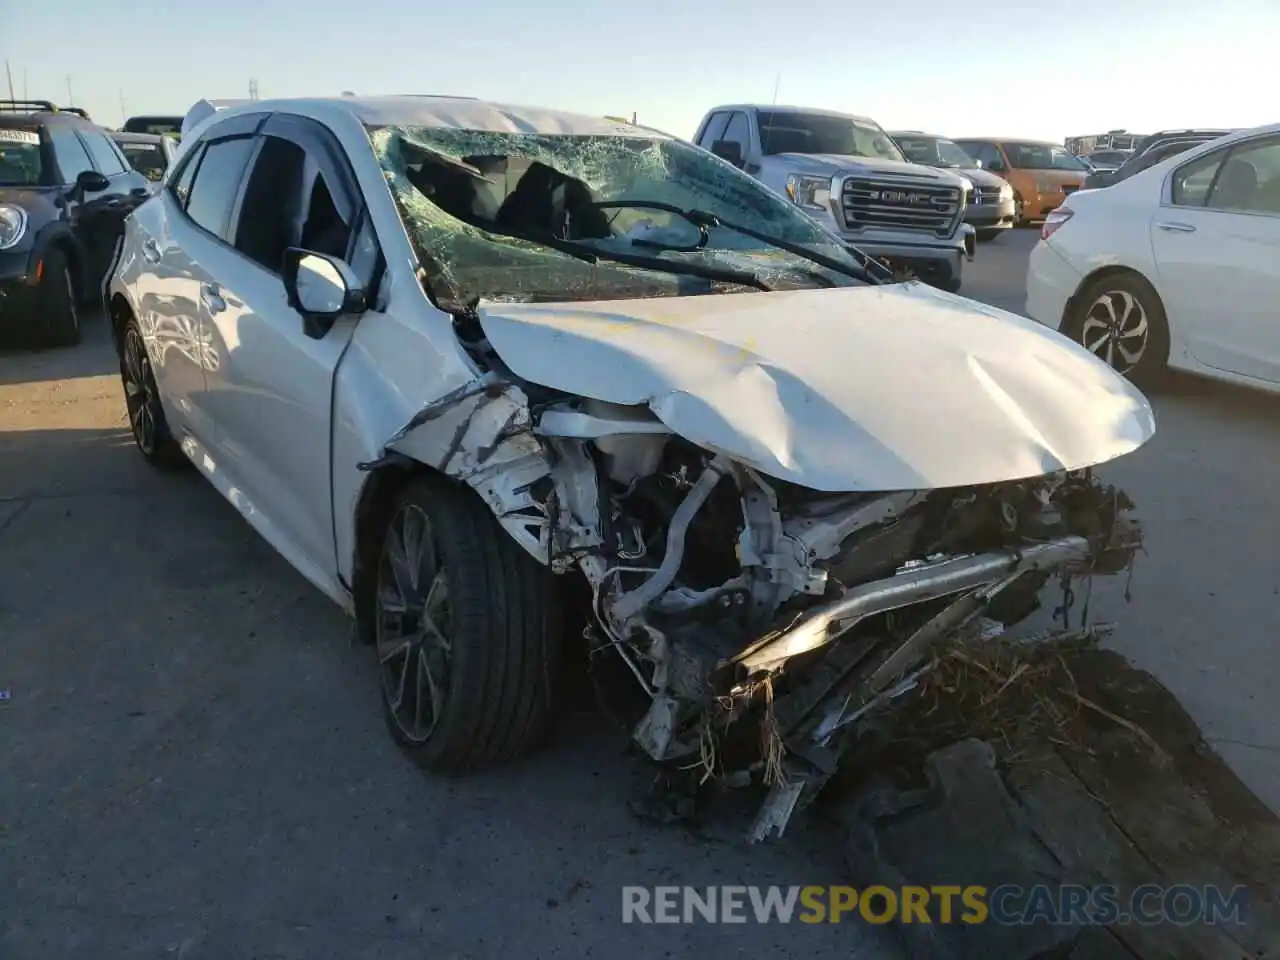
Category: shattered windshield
<point>538,217</point>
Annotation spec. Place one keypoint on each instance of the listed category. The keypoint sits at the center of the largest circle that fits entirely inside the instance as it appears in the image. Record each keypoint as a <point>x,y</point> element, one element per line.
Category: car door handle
<point>211,297</point>
<point>1173,226</point>
<point>150,251</point>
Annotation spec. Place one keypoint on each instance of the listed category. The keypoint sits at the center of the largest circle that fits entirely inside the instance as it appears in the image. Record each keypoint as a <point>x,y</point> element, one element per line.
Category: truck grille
<point>986,195</point>
<point>900,204</point>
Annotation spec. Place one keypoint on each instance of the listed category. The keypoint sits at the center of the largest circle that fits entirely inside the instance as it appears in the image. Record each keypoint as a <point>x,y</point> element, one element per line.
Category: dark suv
<point>65,190</point>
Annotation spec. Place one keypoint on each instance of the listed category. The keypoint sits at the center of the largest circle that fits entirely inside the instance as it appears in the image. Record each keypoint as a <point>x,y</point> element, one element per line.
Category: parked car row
<point>65,191</point>
<point>445,354</point>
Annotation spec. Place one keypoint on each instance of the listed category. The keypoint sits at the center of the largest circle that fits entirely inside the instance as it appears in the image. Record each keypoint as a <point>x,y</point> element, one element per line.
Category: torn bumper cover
<point>772,546</point>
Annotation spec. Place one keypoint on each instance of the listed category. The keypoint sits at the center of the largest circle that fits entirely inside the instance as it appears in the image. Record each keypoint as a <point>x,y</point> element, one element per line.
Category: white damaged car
<point>449,357</point>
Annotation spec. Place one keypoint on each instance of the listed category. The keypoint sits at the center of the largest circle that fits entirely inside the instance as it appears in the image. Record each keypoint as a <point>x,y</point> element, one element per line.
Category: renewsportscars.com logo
<point>1006,905</point>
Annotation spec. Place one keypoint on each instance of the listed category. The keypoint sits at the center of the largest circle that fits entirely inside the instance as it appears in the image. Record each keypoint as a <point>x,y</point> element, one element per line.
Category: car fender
<point>60,232</point>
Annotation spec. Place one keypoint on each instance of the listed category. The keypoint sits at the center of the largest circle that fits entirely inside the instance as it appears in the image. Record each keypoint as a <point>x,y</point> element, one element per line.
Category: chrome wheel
<point>413,625</point>
<point>139,391</point>
<point>1115,329</point>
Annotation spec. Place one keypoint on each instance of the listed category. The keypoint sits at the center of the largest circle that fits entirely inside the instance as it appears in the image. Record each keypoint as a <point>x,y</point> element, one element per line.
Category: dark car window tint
<point>104,158</point>
<point>270,214</point>
<point>1249,181</point>
<point>714,130</point>
<point>1192,182</point>
<point>288,203</point>
<point>70,153</point>
<point>181,188</point>
<point>217,181</point>
<point>739,131</point>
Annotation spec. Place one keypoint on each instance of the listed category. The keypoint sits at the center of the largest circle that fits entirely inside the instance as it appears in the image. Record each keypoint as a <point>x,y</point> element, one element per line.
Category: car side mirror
<point>321,288</point>
<point>978,164</point>
<point>728,150</point>
<point>90,181</point>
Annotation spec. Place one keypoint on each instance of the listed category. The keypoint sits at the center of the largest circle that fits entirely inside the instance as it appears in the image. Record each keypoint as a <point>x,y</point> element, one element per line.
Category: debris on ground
<point>1055,763</point>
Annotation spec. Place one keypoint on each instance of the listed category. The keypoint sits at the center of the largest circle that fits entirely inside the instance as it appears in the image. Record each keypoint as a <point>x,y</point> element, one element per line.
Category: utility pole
<point>9,73</point>
<point>24,83</point>
<point>776,84</point>
<point>253,89</point>
<point>71,100</point>
<point>124,114</point>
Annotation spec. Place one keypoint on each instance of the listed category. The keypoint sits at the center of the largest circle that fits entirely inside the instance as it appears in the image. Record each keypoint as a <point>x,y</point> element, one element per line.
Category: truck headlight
<point>1006,191</point>
<point>13,224</point>
<point>812,193</point>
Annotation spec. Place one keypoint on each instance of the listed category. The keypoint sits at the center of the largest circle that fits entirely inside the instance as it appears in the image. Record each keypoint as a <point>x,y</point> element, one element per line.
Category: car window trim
<point>195,178</point>
<point>83,136</point>
<point>320,144</point>
<point>1166,192</point>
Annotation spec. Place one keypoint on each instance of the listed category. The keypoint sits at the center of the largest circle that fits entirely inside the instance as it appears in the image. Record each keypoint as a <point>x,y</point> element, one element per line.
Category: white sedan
<point>1176,267</point>
<point>439,352</point>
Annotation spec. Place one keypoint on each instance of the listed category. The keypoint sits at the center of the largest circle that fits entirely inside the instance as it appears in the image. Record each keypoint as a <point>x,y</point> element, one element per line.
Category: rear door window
<point>73,158</point>
<point>217,182</point>
<point>102,154</point>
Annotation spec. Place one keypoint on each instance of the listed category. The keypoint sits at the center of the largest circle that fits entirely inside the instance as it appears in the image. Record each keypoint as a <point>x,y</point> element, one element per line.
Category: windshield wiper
<point>704,221</point>
<point>590,254</point>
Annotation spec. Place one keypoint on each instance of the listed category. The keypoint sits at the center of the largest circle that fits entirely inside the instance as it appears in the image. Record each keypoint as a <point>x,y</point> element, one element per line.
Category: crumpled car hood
<point>877,388</point>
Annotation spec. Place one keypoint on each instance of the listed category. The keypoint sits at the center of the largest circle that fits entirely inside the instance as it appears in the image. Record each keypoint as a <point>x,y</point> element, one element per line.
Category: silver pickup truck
<point>848,174</point>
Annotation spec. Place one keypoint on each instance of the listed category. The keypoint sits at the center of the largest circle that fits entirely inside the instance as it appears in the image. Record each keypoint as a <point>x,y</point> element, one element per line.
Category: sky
<point>1025,68</point>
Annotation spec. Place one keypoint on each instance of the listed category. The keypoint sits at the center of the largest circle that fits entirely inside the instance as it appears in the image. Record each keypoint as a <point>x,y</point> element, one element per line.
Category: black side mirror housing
<point>728,150</point>
<point>321,288</point>
<point>90,181</point>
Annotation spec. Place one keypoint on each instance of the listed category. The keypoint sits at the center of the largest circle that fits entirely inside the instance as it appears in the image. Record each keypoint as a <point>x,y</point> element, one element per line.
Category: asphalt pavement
<point>194,762</point>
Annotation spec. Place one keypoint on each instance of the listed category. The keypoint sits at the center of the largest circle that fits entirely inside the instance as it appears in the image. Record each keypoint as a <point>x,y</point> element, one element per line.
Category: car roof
<point>917,133</point>
<point>124,136</point>
<point>1047,143</point>
<point>783,108</point>
<point>35,113</point>
<point>446,112</point>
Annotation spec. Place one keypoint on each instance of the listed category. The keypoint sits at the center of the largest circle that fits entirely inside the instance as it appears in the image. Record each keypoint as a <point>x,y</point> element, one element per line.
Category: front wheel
<point>467,632</point>
<point>56,300</point>
<point>1119,319</point>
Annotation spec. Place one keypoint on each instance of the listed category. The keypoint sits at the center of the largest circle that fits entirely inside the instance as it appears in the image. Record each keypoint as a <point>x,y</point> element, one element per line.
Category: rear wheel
<point>56,300</point>
<point>142,402</point>
<point>1119,319</point>
<point>466,632</point>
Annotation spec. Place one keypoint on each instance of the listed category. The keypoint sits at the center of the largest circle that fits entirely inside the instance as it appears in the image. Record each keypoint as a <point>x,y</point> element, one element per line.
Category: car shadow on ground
<point>93,357</point>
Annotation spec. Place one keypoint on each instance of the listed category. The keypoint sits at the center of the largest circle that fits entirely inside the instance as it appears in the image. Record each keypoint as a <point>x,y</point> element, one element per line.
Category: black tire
<point>1102,318</point>
<point>985,236</point>
<point>951,284</point>
<point>479,626</point>
<point>1019,211</point>
<point>56,310</point>
<point>150,429</point>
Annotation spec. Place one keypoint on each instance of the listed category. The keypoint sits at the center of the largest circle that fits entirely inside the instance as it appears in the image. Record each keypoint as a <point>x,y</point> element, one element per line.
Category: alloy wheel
<point>1116,330</point>
<point>139,391</point>
<point>413,627</point>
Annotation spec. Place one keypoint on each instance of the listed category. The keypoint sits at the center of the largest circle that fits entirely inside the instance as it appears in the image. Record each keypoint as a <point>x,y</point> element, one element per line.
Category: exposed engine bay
<point>759,611</point>
<point>761,619</point>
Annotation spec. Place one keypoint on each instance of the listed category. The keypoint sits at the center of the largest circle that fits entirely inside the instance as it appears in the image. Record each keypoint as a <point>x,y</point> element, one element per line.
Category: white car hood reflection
<point>898,387</point>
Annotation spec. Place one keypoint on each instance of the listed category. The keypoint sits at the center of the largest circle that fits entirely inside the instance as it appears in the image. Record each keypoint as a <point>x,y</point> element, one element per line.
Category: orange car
<point>1041,174</point>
